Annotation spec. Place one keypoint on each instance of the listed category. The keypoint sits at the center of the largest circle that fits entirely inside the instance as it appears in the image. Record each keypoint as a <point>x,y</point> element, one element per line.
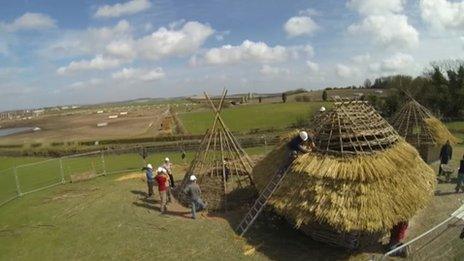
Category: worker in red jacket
<point>162,180</point>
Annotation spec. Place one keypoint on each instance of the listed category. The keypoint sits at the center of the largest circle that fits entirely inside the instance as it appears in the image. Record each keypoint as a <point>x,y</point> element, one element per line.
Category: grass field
<point>46,172</point>
<point>255,116</point>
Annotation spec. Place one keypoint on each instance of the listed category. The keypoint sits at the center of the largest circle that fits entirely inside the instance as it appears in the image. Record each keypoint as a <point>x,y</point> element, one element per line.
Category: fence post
<point>103,162</point>
<point>62,171</point>
<point>18,186</point>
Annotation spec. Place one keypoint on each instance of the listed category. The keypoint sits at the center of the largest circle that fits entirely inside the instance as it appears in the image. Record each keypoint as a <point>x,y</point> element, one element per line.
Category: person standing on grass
<point>162,180</point>
<point>168,167</point>
<point>460,181</point>
<point>192,190</point>
<point>446,153</point>
<point>150,179</point>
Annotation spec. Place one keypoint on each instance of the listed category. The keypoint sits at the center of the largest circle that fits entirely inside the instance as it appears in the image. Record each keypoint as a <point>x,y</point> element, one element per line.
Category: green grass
<point>456,126</point>
<point>106,219</point>
<point>45,172</point>
<point>257,116</point>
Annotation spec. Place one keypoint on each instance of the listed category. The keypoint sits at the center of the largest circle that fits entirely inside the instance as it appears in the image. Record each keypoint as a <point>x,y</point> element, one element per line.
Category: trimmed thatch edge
<point>440,133</point>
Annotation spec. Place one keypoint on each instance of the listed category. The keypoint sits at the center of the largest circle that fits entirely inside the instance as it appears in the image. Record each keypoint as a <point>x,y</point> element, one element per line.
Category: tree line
<point>440,89</point>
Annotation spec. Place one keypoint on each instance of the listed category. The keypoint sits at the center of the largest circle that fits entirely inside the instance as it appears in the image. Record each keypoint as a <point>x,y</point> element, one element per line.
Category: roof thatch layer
<point>419,127</point>
<point>350,189</point>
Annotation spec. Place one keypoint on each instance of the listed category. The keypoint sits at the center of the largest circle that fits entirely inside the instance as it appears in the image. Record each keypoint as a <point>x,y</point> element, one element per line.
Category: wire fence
<point>29,178</point>
<point>444,241</point>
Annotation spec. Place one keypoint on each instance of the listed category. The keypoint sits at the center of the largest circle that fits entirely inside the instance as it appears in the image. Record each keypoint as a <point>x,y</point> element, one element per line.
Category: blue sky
<point>56,52</point>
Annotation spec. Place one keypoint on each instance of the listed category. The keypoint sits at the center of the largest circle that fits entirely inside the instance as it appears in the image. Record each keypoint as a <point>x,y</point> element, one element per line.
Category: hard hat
<point>322,109</point>
<point>161,170</point>
<point>150,166</point>
<point>304,135</point>
<point>193,178</point>
<point>166,159</point>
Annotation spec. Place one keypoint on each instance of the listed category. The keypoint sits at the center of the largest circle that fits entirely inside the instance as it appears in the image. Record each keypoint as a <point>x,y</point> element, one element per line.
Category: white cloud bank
<point>443,14</point>
<point>122,9</point>
<point>273,71</point>
<point>30,21</point>
<point>98,63</point>
<point>384,23</point>
<point>145,75</point>
<point>170,42</point>
<point>300,25</point>
<point>249,51</point>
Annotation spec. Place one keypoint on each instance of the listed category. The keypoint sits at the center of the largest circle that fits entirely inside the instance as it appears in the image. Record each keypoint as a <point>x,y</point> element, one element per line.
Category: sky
<point>55,52</point>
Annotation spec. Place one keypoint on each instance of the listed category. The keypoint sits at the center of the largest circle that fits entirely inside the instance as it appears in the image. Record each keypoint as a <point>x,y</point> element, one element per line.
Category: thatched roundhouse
<point>420,128</point>
<point>222,167</point>
<point>362,180</point>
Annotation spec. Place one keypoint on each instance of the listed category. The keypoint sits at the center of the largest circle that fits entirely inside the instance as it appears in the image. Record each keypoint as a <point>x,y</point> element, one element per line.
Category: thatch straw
<point>369,192</point>
<point>439,131</point>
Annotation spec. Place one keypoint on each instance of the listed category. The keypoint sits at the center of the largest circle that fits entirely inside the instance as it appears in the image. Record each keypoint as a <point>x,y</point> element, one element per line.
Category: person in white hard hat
<point>150,179</point>
<point>167,165</point>
<point>162,179</point>
<point>193,192</point>
<point>301,143</point>
<point>322,109</point>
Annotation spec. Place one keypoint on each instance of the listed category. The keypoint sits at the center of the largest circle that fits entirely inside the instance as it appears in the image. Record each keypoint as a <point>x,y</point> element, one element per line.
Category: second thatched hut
<point>420,128</point>
<point>362,180</point>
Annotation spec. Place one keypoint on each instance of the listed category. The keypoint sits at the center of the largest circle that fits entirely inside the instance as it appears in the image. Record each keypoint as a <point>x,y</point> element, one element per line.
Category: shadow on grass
<point>148,205</point>
<point>275,238</point>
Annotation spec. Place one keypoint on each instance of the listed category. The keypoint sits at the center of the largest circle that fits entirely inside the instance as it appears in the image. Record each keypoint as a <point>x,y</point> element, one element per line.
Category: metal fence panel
<point>8,190</point>
<point>40,175</point>
<point>83,164</point>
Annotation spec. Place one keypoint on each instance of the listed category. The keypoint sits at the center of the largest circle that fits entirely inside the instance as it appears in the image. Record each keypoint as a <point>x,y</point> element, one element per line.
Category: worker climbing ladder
<point>260,203</point>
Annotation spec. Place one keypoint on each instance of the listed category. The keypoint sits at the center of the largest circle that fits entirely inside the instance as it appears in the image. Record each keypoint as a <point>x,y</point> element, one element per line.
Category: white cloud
<point>122,49</point>
<point>80,85</point>
<point>168,42</point>
<point>273,71</point>
<point>98,63</point>
<point>397,62</point>
<point>376,7</point>
<point>300,25</point>
<point>91,41</point>
<point>121,9</point>
<point>139,74</point>
<point>443,14</point>
<point>248,51</point>
<point>389,30</point>
<point>313,67</point>
<point>344,71</point>
<point>30,21</point>
<point>361,58</point>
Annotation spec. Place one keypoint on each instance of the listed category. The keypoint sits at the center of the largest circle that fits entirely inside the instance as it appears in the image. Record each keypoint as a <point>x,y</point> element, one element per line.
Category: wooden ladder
<point>260,203</point>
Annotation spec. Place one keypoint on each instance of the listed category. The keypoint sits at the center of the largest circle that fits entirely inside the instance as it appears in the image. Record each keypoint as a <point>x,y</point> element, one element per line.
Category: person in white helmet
<point>162,179</point>
<point>167,165</point>
<point>298,144</point>
<point>193,192</point>
<point>150,179</point>
<point>322,109</point>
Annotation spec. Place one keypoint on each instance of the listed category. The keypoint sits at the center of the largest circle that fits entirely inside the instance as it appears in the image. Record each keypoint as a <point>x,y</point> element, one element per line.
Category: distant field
<point>256,116</point>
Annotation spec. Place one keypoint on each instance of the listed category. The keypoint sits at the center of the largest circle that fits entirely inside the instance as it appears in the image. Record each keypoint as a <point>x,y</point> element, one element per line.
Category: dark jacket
<point>446,153</point>
<point>193,191</point>
<point>461,167</point>
<point>296,144</point>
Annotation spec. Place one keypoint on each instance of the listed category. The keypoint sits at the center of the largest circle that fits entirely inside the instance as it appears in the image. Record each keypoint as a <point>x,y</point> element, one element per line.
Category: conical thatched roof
<point>222,167</point>
<point>419,127</point>
<point>363,177</point>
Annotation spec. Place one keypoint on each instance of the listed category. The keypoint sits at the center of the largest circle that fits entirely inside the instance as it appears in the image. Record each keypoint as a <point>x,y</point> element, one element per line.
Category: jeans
<point>197,204</point>
<point>150,185</point>
<point>460,183</point>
